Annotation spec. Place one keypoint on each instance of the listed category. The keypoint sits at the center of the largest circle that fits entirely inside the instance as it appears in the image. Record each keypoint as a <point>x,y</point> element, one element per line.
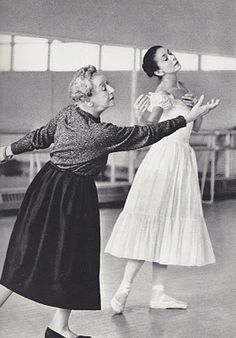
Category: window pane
<point>4,38</point>
<point>27,39</point>
<point>117,58</point>
<point>5,57</point>
<point>209,62</point>
<point>70,56</point>
<point>30,57</point>
<point>187,61</point>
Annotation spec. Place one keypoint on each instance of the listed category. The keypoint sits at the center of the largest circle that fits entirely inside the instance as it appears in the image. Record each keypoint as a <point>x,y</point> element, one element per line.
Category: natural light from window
<point>188,61</point>
<point>5,52</point>
<point>211,62</point>
<point>70,56</point>
<point>117,58</point>
<point>30,54</point>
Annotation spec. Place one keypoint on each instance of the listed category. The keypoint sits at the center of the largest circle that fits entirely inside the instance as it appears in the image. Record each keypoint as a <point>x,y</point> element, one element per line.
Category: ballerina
<point>162,221</point>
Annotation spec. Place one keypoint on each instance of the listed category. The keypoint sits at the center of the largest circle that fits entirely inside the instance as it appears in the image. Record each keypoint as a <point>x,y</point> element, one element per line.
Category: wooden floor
<point>210,292</point>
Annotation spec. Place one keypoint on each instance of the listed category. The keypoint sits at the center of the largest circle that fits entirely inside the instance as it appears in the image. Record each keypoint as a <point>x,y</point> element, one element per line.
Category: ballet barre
<point>214,141</point>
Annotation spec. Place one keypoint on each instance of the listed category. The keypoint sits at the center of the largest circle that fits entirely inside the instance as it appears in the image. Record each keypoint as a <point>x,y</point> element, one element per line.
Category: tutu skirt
<point>54,250</point>
<point>162,220</point>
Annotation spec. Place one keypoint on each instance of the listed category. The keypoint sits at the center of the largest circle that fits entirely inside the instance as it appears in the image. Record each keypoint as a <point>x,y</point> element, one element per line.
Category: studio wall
<point>28,99</point>
<point>205,26</point>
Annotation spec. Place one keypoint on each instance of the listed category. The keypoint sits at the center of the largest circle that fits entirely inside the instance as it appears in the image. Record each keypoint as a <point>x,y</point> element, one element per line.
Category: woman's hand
<point>141,104</point>
<point>200,110</point>
<point>189,100</point>
<point>4,157</point>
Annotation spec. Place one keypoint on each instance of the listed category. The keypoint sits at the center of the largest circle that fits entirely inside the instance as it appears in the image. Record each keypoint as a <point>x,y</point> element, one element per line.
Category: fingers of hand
<point>188,96</point>
<point>201,98</point>
<point>142,98</point>
<point>188,103</point>
<point>217,102</point>
<point>187,99</point>
<point>142,102</point>
<point>213,103</point>
<point>137,101</point>
<point>195,100</point>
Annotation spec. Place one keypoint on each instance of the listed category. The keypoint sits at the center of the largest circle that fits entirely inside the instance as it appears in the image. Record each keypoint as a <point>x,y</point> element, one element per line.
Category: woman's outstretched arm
<point>113,138</point>
<point>40,138</point>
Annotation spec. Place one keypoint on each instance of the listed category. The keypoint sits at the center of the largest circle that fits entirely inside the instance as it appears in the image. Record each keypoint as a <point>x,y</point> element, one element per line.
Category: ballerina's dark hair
<point>149,64</point>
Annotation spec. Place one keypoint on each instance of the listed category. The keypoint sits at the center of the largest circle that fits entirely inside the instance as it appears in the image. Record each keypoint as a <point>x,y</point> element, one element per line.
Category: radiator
<point>11,198</point>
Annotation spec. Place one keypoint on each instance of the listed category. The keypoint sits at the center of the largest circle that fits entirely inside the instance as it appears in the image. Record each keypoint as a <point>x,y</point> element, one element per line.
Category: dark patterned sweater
<point>81,142</point>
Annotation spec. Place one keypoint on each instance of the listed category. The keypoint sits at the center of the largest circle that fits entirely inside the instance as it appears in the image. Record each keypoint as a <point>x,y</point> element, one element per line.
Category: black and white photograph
<point>117,168</point>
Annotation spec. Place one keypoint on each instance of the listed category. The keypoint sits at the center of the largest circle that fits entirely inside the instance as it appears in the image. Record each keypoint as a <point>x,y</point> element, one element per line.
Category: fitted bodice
<point>178,108</point>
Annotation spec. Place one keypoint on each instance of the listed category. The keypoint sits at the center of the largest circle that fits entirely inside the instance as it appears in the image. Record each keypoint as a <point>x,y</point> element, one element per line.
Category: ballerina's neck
<point>169,82</point>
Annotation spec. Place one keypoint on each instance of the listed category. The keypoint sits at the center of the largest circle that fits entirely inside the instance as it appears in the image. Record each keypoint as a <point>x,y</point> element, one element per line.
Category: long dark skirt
<point>54,250</point>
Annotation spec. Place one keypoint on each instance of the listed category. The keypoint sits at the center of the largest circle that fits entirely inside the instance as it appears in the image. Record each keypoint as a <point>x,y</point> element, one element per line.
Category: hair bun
<point>149,63</point>
<point>147,69</point>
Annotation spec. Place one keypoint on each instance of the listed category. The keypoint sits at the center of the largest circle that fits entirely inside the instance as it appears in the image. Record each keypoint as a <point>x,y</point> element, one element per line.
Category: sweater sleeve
<point>113,138</point>
<point>40,138</point>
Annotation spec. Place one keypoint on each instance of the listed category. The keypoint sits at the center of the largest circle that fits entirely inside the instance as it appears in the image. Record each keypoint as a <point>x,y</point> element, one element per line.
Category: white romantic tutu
<point>162,220</point>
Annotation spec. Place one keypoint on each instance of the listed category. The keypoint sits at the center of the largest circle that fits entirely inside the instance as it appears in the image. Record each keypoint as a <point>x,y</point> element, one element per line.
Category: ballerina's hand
<point>199,110</point>
<point>141,104</point>
<point>189,100</point>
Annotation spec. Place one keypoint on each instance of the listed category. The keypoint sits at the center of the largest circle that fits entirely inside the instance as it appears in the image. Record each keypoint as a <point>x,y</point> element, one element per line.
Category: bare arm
<point>200,110</point>
<point>151,117</point>
<point>190,100</point>
<point>145,116</point>
<point>197,124</point>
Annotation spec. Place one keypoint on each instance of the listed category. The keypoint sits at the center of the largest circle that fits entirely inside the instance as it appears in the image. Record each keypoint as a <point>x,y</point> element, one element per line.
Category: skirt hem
<point>51,304</point>
<point>160,261</point>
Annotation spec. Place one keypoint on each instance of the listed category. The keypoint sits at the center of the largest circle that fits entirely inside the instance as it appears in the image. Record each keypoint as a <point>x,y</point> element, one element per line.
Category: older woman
<point>53,254</point>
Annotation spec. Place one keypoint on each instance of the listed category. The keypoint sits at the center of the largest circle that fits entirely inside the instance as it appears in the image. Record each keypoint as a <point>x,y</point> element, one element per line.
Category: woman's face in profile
<point>102,94</point>
<point>166,61</point>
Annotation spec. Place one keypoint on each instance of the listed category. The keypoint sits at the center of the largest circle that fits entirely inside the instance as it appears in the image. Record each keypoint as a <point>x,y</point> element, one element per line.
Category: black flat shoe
<point>52,334</point>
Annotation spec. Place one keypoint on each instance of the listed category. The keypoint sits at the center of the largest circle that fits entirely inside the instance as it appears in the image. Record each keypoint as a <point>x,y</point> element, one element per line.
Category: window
<point>137,59</point>
<point>5,38</point>
<point>117,58</point>
<point>188,61</point>
<point>30,54</point>
<point>210,62</point>
<point>24,53</point>
<point>5,52</point>
<point>70,56</point>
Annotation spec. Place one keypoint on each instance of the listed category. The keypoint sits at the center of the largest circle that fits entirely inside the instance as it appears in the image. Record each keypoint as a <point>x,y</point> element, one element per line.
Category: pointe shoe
<point>167,302</point>
<point>53,334</point>
<point>117,305</point>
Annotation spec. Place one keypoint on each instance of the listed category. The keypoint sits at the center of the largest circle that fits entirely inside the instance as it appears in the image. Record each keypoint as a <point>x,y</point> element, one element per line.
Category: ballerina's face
<point>166,61</point>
